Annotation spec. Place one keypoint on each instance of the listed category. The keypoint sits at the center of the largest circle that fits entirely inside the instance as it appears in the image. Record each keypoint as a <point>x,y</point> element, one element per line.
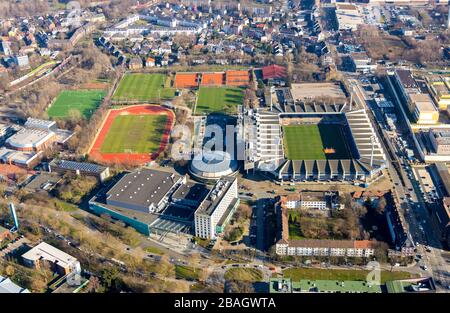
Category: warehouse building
<point>216,209</point>
<point>151,201</point>
<point>439,88</point>
<point>144,190</point>
<point>25,147</point>
<point>79,168</point>
<point>423,109</point>
<point>440,140</point>
<point>61,262</point>
<point>348,16</point>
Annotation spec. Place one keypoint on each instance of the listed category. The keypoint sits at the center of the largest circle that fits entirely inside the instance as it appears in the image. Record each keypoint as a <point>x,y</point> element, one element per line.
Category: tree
<point>94,285</point>
<point>240,287</point>
<point>381,206</point>
<point>110,278</point>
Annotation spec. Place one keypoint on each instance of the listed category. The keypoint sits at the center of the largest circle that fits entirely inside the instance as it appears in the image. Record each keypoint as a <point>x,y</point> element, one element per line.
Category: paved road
<point>413,207</point>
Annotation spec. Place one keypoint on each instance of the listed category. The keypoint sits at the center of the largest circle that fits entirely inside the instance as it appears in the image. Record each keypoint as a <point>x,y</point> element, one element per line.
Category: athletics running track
<point>130,158</point>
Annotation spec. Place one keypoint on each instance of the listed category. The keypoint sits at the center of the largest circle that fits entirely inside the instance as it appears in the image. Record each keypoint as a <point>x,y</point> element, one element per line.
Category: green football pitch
<point>143,87</point>
<point>83,101</point>
<point>308,141</point>
<point>135,134</point>
<point>218,100</point>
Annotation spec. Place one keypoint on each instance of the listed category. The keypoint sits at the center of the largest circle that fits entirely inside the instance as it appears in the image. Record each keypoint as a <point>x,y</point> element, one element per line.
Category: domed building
<point>208,166</point>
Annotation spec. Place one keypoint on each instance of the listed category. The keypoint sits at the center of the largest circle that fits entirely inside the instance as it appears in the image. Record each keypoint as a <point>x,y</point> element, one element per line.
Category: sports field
<point>83,101</point>
<point>218,100</point>
<point>137,86</point>
<point>308,141</point>
<point>134,134</point>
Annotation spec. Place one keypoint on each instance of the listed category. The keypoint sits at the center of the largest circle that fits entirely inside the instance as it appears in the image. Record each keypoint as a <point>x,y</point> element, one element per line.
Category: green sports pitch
<point>83,101</point>
<point>134,134</point>
<point>218,100</point>
<point>308,141</point>
<point>143,87</point>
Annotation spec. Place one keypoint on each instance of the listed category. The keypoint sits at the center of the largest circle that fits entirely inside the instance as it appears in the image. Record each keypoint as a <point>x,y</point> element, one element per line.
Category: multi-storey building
<point>217,208</point>
<point>440,140</point>
<point>318,247</point>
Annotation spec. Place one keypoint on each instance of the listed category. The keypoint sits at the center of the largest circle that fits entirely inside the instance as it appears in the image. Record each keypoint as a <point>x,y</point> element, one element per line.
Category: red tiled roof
<point>274,71</point>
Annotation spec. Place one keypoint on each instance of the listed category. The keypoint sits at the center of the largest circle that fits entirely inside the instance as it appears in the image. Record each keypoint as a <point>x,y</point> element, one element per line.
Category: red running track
<point>130,158</point>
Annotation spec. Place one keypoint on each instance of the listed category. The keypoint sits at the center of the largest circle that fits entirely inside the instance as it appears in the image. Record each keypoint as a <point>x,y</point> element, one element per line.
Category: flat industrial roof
<point>191,191</point>
<point>346,286</point>
<point>142,187</point>
<point>406,78</point>
<point>29,138</point>
<point>423,102</point>
<point>81,166</point>
<point>222,186</point>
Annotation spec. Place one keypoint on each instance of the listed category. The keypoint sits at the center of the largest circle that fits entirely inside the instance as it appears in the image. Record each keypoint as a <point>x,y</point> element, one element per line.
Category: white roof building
<point>7,286</point>
<point>46,252</point>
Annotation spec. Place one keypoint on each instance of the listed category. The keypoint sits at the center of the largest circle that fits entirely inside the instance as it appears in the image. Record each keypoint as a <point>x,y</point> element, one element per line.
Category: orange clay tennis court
<point>186,80</point>
<point>237,78</point>
<point>131,158</point>
<point>213,79</point>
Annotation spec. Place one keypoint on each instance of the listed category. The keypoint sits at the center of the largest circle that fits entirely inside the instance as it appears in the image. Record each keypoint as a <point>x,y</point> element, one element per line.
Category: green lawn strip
<point>218,100</point>
<point>297,274</point>
<point>244,274</point>
<point>83,101</point>
<point>154,250</point>
<point>186,272</point>
<point>134,134</point>
<point>294,228</point>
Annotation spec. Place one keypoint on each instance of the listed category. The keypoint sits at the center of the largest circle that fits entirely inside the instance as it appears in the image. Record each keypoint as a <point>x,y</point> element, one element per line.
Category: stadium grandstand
<point>297,141</point>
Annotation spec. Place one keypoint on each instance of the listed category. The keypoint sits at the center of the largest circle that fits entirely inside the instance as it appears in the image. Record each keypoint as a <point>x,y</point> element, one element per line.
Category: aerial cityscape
<point>263,147</point>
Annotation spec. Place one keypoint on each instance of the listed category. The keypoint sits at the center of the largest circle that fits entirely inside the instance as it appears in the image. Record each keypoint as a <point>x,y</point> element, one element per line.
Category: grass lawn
<point>134,134</point>
<point>83,101</point>
<point>332,274</point>
<point>154,250</point>
<point>218,100</point>
<point>186,272</point>
<point>143,87</point>
<point>244,274</point>
<point>294,227</point>
<point>307,142</point>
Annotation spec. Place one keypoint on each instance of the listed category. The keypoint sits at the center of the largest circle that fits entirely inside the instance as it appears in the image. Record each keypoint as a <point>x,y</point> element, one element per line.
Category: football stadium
<point>298,141</point>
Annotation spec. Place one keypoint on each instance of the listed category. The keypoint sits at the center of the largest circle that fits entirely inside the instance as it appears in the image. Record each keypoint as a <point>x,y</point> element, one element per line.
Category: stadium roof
<point>274,72</point>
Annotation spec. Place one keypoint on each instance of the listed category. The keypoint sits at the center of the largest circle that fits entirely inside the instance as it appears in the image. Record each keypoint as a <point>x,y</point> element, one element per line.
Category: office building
<point>60,262</point>
<point>217,208</point>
